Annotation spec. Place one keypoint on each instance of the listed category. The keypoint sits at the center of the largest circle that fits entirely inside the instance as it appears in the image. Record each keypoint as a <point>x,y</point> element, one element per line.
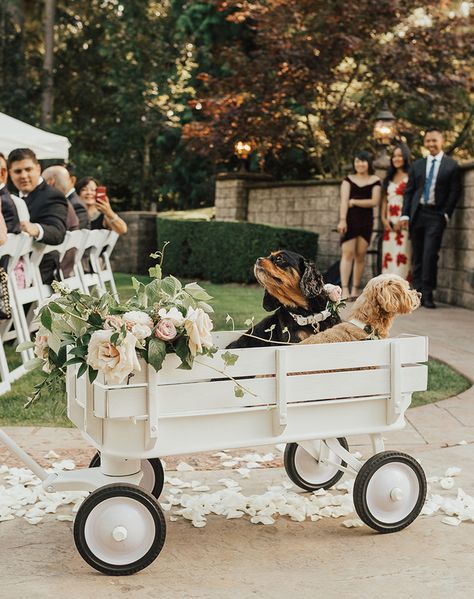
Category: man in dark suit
<point>8,207</point>
<point>47,206</point>
<point>59,177</point>
<point>432,191</point>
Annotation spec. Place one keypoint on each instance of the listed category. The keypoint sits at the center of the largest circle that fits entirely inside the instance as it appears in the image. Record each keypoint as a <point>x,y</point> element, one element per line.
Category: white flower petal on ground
<point>451,521</point>
<point>452,471</point>
<point>51,455</point>
<point>64,518</point>
<point>244,472</point>
<point>64,465</point>
<point>354,523</point>
<point>184,467</point>
<point>280,447</point>
<point>446,483</point>
<point>252,465</point>
<point>230,463</point>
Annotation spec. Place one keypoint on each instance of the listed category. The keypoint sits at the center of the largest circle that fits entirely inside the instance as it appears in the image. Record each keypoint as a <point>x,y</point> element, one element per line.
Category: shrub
<point>224,252</point>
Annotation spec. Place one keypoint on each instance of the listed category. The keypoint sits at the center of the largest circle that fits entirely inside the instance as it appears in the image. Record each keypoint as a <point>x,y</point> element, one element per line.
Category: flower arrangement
<point>103,335</point>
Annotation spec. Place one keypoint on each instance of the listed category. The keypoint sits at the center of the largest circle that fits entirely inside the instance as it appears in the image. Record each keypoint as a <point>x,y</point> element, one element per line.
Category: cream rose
<point>41,347</point>
<point>334,292</point>
<point>165,330</point>
<point>115,361</point>
<point>198,326</point>
<point>138,323</point>
<point>174,315</point>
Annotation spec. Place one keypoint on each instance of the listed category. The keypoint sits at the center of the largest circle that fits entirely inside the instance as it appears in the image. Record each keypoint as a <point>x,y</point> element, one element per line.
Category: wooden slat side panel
<point>300,358</point>
<point>219,395</point>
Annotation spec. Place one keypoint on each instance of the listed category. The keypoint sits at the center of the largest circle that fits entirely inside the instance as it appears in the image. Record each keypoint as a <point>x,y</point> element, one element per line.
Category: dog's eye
<point>278,260</point>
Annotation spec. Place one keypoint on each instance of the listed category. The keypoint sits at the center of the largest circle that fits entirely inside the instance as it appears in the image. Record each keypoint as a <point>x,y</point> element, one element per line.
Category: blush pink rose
<point>165,330</point>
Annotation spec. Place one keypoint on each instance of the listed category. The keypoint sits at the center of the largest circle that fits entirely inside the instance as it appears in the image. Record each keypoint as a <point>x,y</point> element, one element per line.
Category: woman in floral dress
<point>396,247</point>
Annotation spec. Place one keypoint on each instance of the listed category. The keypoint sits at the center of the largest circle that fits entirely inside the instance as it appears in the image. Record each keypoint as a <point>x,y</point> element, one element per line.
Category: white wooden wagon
<point>310,397</point>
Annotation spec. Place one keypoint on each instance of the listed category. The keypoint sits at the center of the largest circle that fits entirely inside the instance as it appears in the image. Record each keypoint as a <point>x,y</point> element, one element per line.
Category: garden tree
<point>20,58</point>
<point>48,63</point>
<point>306,90</point>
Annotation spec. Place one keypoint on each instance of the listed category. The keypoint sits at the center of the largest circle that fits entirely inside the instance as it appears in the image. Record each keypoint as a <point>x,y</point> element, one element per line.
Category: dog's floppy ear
<point>311,280</point>
<point>269,302</point>
<point>393,297</point>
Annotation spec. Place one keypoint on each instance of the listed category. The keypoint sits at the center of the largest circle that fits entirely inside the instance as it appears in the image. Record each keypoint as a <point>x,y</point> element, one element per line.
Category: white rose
<point>198,326</point>
<point>141,331</point>
<point>174,315</point>
<point>138,323</point>
<point>116,362</point>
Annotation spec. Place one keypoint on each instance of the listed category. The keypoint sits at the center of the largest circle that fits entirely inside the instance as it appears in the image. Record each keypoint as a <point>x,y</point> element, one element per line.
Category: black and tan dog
<point>294,289</point>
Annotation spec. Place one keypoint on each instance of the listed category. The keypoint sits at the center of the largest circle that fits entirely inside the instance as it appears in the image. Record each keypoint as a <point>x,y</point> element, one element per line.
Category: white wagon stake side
<point>310,397</point>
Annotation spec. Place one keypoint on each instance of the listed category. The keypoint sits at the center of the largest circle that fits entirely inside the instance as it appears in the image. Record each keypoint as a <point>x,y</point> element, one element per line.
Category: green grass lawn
<point>241,302</point>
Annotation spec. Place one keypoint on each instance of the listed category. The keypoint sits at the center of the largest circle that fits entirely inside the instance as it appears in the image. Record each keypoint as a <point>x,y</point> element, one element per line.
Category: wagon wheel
<point>389,491</point>
<point>307,472</point>
<point>153,475</point>
<point>119,529</point>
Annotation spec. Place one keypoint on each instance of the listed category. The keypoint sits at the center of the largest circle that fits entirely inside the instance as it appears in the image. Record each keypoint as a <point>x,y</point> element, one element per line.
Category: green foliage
<point>226,251</point>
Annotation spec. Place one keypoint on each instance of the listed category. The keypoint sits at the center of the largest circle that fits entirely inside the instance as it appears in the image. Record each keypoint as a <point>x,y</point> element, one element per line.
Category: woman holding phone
<point>98,206</point>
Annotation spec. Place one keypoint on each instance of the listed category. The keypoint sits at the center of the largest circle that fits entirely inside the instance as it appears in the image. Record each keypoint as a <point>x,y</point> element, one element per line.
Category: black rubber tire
<point>297,479</point>
<point>157,470</point>
<point>363,478</point>
<point>109,492</point>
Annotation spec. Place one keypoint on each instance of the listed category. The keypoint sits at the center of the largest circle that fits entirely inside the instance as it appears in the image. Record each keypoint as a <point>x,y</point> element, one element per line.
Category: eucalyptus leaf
<point>156,352</point>
<point>92,374</point>
<point>56,308</point>
<point>24,346</point>
<point>47,319</point>
<point>82,369</point>
<point>197,292</point>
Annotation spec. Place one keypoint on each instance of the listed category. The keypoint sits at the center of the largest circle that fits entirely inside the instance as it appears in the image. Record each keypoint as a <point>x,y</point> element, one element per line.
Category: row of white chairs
<point>91,247</point>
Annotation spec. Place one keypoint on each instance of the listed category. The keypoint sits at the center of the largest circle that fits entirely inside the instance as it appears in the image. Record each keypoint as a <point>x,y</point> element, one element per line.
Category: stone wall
<point>131,254</point>
<point>314,205</point>
<point>456,266</point>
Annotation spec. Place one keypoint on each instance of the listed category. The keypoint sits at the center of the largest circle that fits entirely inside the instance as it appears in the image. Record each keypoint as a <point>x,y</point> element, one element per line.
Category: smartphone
<point>100,193</point>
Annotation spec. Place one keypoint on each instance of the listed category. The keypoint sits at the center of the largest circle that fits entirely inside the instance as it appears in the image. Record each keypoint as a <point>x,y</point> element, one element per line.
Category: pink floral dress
<point>396,247</point>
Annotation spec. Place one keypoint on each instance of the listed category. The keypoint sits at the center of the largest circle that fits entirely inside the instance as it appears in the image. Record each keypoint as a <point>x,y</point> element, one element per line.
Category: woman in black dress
<point>360,192</point>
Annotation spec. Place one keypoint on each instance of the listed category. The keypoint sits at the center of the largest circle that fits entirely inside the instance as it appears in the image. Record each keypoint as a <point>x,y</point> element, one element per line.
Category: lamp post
<point>384,131</point>
<point>242,150</point>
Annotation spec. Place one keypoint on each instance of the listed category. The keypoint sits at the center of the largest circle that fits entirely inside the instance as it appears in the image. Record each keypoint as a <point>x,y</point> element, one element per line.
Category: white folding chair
<point>104,269</point>
<point>17,247</point>
<point>94,242</point>
<point>75,240</point>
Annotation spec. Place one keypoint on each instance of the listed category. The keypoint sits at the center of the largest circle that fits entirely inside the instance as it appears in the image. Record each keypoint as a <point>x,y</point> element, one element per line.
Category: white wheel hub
<point>119,533</point>
<point>392,492</point>
<point>314,471</point>
<point>110,540</point>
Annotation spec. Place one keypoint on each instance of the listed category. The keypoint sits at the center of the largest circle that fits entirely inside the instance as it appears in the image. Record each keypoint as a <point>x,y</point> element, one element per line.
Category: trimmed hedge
<point>225,252</point>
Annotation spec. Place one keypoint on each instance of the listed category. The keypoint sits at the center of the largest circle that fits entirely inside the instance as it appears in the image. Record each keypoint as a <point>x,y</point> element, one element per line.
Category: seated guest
<point>3,227</point>
<point>59,177</point>
<point>47,206</point>
<point>13,209</point>
<point>9,210</point>
<point>98,207</point>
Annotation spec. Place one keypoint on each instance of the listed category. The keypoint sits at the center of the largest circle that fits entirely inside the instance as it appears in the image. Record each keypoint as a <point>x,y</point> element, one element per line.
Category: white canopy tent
<point>16,134</point>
